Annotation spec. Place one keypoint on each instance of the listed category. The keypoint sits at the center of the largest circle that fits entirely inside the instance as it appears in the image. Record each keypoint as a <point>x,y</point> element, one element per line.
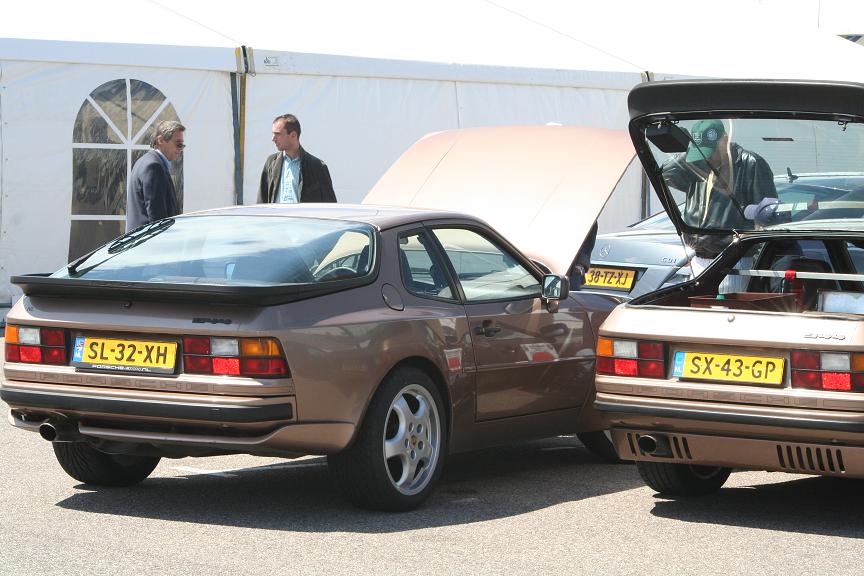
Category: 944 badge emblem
<point>824,336</point>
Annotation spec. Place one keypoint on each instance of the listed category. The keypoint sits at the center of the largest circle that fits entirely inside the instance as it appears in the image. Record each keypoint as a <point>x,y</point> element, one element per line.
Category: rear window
<point>233,250</point>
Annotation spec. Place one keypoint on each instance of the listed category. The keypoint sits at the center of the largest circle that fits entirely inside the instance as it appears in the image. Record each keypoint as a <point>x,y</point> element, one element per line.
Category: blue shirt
<point>289,187</point>
<point>164,159</point>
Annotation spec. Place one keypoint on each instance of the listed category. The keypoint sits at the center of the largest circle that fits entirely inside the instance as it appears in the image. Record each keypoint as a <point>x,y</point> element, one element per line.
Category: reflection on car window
<point>811,166</point>
<point>421,274</point>
<point>485,271</point>
<point>234,250</point>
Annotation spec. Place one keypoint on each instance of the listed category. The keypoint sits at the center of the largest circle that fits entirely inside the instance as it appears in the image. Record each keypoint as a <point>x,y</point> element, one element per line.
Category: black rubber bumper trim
<point>211,413</point>
<point>713,416</point>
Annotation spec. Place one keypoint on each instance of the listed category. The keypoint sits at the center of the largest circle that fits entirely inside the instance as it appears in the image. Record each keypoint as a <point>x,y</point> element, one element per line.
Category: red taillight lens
<point>617,357</point>
<point>263,366</point>
<point>13,353</point>
<point>651,350</point>
<point>258,357</point>
<point>805,360</point>
<point>229,366</point>
<point>806,379</point>
<point>52,337</point>
<point>54,355</point>
<point>652,369</point>
<point>827,370</point>
<point>40,345</point>
<point>836,381</point>
<point>625,367</point>
<point>198,364</point>
<point>196,345</point>
<point>31,354</point>
<point>605,365</point>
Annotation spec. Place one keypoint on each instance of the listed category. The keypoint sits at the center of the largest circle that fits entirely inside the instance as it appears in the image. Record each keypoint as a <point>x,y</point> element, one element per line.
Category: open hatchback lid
<point>741,155</point>
<point>542,187</point>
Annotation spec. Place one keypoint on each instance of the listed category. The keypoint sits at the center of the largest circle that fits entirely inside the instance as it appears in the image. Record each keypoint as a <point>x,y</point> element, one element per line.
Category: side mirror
<point>555,287</point>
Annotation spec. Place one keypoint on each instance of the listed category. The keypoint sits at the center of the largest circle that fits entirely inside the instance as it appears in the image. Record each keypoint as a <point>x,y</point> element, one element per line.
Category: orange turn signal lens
<point>11,334</point>
<point>604,346</point>
<point>259,347</point>
<point>857,362</point>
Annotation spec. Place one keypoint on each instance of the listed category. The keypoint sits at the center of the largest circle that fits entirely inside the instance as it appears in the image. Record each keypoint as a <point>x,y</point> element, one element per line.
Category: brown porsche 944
<point>385,338</point>
<point>757,363</point>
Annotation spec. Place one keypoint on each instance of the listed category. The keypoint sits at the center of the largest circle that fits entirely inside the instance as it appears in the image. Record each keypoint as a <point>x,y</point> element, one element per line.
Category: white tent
<point>83,80</point>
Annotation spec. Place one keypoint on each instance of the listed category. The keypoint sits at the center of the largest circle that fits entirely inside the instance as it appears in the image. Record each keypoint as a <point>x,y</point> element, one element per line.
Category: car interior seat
<point>809,287</point>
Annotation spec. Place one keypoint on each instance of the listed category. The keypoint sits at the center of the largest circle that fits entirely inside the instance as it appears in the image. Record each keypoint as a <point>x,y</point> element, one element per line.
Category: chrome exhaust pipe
<point>59,431</point>
<point>656,445</point>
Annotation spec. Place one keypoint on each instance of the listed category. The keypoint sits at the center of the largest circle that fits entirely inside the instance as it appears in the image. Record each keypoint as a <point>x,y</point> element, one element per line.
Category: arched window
<point>112,131</point>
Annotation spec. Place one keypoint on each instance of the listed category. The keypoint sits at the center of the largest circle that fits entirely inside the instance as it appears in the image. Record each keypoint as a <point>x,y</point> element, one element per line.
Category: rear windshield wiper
<point>125,242</point>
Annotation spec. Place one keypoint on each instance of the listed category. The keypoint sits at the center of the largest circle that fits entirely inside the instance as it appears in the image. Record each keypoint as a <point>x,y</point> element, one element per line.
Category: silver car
<point>649,254</point>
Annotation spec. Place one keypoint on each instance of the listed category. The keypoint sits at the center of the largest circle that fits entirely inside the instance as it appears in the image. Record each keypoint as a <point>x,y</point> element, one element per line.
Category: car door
<point>527,357</point>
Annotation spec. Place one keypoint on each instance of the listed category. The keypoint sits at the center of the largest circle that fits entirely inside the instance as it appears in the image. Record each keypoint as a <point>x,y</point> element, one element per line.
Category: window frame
<point>496,240</point>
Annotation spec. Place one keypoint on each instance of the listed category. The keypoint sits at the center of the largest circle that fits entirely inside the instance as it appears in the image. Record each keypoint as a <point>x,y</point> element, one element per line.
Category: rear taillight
<point>258,357</point>
<point>833,371</point>
<point>34,345</point>
<point>638,358</point>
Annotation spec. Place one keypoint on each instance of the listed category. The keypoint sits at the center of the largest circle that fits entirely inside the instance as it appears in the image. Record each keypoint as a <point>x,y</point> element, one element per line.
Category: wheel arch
<point>431,370</point>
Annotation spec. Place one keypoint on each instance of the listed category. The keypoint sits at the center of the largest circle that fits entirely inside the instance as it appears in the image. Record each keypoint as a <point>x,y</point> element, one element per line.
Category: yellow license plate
<point>762,370</point>
<point>141,356</point>
<point>610,278</point>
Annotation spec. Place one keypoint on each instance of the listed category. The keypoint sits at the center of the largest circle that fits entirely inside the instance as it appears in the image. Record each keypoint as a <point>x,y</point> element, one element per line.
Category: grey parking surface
<point>545,506</point>
<point>541,506</point>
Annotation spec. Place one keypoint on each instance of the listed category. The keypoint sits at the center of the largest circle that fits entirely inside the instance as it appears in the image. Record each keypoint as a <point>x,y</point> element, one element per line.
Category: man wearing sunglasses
<point>150,195</point>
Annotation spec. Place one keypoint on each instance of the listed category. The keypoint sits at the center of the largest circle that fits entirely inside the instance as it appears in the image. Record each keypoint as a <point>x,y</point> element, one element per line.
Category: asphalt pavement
<point>547,506</point>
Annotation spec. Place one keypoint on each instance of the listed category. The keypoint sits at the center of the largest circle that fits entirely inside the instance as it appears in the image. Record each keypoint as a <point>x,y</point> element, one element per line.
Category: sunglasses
<point>180,145</point>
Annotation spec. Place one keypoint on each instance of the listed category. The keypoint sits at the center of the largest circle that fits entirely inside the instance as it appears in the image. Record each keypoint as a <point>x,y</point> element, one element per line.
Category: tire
<point>599,444</point>
<point>682,479</point>
<point>90,466</point>
<point>399,451</point>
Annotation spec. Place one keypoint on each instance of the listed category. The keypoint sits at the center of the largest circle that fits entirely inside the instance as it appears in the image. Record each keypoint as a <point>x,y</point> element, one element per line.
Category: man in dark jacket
<point>151,195</point>
<point>293,175</point>
<point>720,178</point>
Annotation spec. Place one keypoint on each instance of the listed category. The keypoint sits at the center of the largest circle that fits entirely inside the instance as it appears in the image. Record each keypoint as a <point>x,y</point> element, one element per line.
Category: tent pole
<point>238,113</point>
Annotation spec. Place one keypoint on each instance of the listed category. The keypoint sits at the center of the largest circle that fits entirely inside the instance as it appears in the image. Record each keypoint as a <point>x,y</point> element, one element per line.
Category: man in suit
<point>151,195</point>
<point>292,175</point>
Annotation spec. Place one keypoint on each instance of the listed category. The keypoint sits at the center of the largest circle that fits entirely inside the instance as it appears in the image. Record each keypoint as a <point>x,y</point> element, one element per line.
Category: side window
<point>485,271</point>
<point>111,132</point>
<point>421,273</point>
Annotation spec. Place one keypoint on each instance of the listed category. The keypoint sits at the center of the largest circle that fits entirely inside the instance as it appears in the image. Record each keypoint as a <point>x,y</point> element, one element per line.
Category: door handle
<point>487,328</point>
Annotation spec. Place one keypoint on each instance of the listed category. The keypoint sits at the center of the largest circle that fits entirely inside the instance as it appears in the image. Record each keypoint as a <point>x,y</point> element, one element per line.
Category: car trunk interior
<point>780,273</point>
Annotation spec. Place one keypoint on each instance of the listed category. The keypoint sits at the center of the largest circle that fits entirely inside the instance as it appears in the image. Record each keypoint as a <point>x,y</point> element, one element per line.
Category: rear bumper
<point>239,424</point>
<point>824,442</point>
<point>632,407</point>
<point>221,412</point>
<point>746,453</point>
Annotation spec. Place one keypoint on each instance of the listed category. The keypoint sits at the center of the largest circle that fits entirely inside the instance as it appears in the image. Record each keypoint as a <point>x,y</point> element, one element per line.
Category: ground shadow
<point>479,486</point>
<point>815,505</point>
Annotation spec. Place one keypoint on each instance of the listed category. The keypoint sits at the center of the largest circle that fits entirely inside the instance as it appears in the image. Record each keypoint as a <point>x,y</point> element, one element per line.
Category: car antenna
<point>789,176</point>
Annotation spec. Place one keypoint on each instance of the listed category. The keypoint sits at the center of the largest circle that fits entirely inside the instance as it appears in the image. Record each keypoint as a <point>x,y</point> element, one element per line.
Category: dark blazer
<point>315,182</point>
<point>151,194</point>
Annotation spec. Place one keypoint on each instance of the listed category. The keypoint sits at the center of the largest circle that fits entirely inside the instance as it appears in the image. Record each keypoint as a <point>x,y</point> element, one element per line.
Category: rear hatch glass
<point>233,251</point>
